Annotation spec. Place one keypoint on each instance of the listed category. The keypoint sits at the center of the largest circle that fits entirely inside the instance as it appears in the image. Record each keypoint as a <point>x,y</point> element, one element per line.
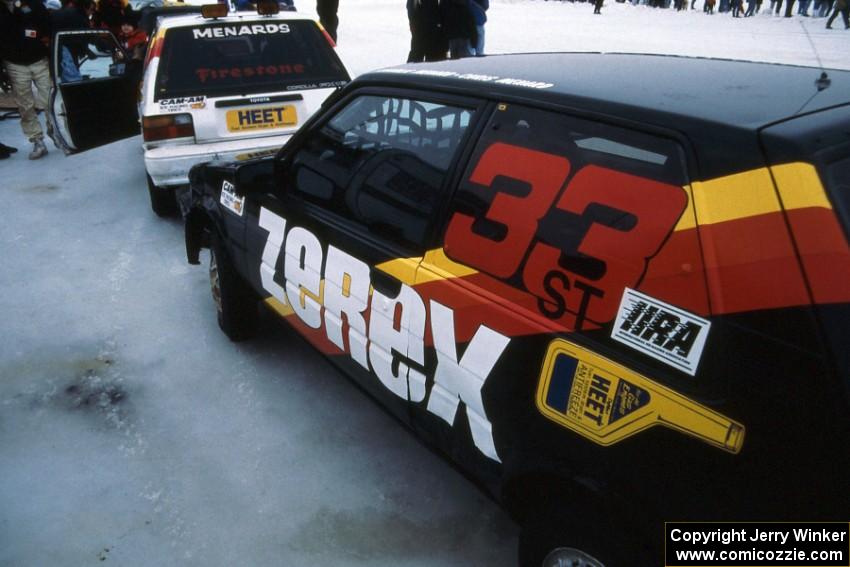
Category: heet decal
<point>230,200</point>
<point>606,402</point>
<point>660,330</point>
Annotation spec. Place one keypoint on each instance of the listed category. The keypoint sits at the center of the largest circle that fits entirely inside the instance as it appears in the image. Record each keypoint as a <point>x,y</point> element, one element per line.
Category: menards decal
<point>342,292</point>
<point>210,32</point>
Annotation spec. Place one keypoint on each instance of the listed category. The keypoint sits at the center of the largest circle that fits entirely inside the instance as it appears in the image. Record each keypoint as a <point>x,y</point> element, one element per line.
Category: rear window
<point>249,57</point>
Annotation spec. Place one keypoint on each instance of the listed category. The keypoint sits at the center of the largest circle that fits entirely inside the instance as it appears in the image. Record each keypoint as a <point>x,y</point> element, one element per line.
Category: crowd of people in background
<point>440,29</point>
<point>28,30</point>
<point>805,8</point>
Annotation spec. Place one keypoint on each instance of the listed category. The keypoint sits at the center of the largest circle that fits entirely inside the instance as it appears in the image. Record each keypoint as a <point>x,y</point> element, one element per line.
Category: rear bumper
<point>169,165</point>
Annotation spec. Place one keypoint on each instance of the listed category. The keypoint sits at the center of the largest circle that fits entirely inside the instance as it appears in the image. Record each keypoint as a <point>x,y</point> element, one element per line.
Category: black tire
<point>162,199</point>
<point>236,303</point>
<point>575,537</point>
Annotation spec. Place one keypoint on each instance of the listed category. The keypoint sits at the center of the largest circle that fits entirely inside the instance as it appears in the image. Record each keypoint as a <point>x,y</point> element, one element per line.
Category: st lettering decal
<point>606,402</point>
<point>660,330</point>
<point>230,200</point>
<point>326,287</point>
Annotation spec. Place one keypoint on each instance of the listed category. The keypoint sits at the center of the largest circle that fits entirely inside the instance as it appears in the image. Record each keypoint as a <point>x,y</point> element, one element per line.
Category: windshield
<point>247,57</point>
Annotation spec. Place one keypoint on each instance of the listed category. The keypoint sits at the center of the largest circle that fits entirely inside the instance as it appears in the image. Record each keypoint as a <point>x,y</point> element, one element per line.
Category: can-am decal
<point>182,103</point>
<point>383,334</point>
<point>606,402</point>
<point>210,32</point>
<point>230,200</point>
<point>660,330</point>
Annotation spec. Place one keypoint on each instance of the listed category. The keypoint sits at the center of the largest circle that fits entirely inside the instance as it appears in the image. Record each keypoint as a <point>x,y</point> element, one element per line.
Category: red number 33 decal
<point>624,249</point>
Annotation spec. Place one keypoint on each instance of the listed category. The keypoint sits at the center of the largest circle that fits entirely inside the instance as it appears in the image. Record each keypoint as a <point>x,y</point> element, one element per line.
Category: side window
<point>380,162</point>
<point>568,211</point>
<point>87,56</point>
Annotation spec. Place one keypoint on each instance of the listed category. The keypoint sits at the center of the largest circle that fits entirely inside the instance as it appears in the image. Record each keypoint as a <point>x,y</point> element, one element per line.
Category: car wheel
<point>557,538</point>
<point>235,302</point>
<point>162,199</point>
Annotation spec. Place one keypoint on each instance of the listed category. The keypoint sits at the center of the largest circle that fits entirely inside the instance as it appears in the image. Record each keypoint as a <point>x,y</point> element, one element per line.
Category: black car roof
<point>658,88</point>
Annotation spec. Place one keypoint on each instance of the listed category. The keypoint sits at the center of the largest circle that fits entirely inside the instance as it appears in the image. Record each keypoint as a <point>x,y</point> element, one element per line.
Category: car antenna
<point>823,82</point>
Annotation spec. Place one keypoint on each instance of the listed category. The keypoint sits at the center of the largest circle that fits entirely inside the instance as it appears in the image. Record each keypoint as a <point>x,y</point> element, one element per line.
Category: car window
<point>380,162</point>
<point>567,210</point>
<point>248,57</point>
<point>88,56</point>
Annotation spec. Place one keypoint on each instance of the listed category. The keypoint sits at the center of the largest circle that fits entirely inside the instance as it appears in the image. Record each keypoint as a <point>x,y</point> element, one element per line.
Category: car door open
<point>93,100</point>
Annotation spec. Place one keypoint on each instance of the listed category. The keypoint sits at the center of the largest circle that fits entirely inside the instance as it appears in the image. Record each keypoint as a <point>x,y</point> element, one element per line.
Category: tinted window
<point>567,210</point>
<point>246,58</point>
<point>381,162</point>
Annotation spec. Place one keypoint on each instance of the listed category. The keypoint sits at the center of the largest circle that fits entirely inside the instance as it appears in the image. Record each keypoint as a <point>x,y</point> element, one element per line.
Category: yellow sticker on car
<point>606,402</point>
<point>246,119</point>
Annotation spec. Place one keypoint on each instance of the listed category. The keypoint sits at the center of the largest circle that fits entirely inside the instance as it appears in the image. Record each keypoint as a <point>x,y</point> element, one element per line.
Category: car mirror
<point>255,177</point>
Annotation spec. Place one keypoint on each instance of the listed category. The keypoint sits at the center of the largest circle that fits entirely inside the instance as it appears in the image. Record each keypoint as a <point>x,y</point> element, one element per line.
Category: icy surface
<point>133,432</point>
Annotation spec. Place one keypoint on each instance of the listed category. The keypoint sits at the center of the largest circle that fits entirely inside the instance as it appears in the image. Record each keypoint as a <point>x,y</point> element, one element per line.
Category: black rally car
<point>612,287</point>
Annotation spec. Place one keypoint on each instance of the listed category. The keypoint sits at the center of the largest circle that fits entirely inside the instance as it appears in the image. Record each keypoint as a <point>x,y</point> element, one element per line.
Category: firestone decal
<point>662,331</point>
<point>392,344</point>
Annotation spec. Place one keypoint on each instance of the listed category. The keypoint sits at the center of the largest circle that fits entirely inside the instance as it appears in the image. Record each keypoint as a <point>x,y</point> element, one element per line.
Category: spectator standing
<point>108,15</point>
<point>133,39</point>
<point>76,15</point>
<point>24,37</point>
<point>458,27</point>
<point>327,10</point>
<point>427,42</point>
<point>842,7</point>
<point>479,14</point>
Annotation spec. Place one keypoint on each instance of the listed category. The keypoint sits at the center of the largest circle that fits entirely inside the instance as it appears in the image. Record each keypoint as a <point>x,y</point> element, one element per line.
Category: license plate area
<point>257,119</point>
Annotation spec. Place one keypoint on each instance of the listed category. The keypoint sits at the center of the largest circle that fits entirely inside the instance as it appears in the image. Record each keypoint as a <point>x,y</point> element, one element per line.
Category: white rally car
<point>216,86</point>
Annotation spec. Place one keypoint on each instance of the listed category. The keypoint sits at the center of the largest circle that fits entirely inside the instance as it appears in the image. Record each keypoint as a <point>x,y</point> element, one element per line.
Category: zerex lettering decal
<point>393,347</point>
<point>210,32</point>
<point>621,222</point>
<point>607,403</point>
<point>662,331</point>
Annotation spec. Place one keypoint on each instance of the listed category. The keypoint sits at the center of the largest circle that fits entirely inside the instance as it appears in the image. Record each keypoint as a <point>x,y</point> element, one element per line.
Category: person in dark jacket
<point>24,37</point>
<point>458,27</point>
<point>479,8</point>
<point>327,10</point>
<point>427,42</point>
<point>841,7</point>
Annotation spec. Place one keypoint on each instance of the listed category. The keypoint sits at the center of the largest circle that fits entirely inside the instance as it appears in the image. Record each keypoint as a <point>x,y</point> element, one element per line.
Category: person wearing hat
<point>133,39</point>
<point>24,37</point>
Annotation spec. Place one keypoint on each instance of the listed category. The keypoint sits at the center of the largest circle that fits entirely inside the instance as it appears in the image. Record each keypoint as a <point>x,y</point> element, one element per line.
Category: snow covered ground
<point>133,432</point>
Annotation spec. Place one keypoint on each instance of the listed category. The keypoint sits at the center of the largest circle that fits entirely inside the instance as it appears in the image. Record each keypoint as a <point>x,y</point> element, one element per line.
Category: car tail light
<point>327,35</point>
<point>167,126</point>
